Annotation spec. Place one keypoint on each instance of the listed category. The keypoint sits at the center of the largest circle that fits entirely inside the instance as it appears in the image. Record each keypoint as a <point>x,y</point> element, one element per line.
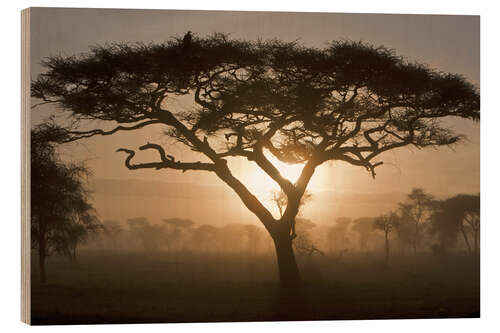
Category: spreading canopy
<point>348,102</point>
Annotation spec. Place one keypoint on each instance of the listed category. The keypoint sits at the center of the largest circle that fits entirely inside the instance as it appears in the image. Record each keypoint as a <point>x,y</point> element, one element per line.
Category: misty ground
<point>132,287</point>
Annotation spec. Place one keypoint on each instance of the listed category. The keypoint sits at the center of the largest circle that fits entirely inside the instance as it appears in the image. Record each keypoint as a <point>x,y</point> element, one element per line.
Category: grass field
<point>133,287</point>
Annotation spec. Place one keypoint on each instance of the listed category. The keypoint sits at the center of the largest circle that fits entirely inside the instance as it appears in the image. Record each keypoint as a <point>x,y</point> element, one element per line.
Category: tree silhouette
<point>386,223</point>
<point>112,230</point>
<point>61,213</point>
<point>177,230</point>
<point>364,227</point>
<point>78,233</point>
<point>337,234</point>
<point>346,102</point>
<point>150,236</point>
<point>405,232</point>
<point>304,243</point>
<point>457,214</point>
<point>417,210</point>
<point>280,199</point>
<point>205,237</point>
<point>253,237</point>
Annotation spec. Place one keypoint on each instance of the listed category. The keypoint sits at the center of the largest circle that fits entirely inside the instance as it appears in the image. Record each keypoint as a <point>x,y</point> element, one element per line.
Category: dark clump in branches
<point>347,102</point>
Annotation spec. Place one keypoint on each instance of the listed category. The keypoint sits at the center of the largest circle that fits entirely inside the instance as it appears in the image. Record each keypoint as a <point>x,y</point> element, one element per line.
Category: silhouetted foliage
<point>61,213</point>
<point>347,102</point>
<point>253,236</point>
<point>205,237</point>
<point>417,210</point>
<point>337,234</point>
<point>151,236</point>
<point>304,243</point>
<point>176,231</point>
<point>112,230</point>
<point>458,214</point>
<point>386,223</point>
<point>405,232</point>
<point>364,227</point>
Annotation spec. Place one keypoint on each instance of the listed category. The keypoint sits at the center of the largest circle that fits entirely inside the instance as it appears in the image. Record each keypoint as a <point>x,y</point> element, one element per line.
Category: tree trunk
<point>293,303</point>
<point>288,270</point>
<point>466,240</point>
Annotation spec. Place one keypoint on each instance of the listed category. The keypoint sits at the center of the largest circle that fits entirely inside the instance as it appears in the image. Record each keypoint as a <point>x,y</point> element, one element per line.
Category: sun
<point>262,185</point>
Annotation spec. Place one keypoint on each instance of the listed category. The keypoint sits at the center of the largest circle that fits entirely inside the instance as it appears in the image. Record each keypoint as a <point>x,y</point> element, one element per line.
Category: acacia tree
<point>347,102</point>
<point>78,233</point>
<point>386,223</point>
<point>150,236</point>
<point>337,234</point>
<point>454,215</point>
<point>364,227</point>
<point>417,210</point>
<point>404,232</point>
<point>112,230</point>
<point>304,242</point>
<point>177,231</point>
<point>61,213</point>
<point>205,237</point>
<point>253,236</point>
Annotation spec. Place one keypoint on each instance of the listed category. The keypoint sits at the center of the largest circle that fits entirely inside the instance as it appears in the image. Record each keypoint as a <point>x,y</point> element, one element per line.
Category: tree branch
<point>167,161</point>
<point>266,165</point>
<point>248,199</point>
<point>76,135</point>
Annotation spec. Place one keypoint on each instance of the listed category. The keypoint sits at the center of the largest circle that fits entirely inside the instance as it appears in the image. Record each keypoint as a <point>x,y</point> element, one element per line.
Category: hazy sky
<point>447,43</point>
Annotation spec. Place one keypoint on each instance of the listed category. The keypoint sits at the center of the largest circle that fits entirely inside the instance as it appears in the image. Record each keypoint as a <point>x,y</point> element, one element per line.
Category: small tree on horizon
<point>337,234</point>
<point>417,210</point>
<point>348,102</point>
<point>386,223</point>
<point>150,236</point>
<point>364,227</point>
<point>112,230</point>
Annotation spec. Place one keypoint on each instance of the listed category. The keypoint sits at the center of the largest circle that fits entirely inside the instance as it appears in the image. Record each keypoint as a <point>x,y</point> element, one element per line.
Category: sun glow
<point>262,185</point>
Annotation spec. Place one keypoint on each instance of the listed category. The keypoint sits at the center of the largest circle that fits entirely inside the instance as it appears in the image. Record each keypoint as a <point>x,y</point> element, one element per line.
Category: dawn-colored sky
<point>447,43</point>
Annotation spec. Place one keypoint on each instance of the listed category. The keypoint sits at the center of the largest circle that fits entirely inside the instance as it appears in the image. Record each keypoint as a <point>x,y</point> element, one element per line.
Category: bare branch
<point>167,161</point>
<point>77,135</point>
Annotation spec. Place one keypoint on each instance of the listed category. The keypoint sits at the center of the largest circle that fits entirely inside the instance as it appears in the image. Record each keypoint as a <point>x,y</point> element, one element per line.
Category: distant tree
<point>150,236</point>
<point>61,213</point>
<point>232,238</point>
<point>417,209</point>
<point>337,233</point>
<point>473,218</point>
<point>205,237</point>
<point>177,231</point>
<point>364,227</point>
<point>304,243</point>
<point>253,236</point>
<point>348,102</point>
<point>405,233</point>
<point>455,215</point>
<point>386,223</point>
<point>112,231</point>
<point>188,37</point>
<point>78,233</point>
